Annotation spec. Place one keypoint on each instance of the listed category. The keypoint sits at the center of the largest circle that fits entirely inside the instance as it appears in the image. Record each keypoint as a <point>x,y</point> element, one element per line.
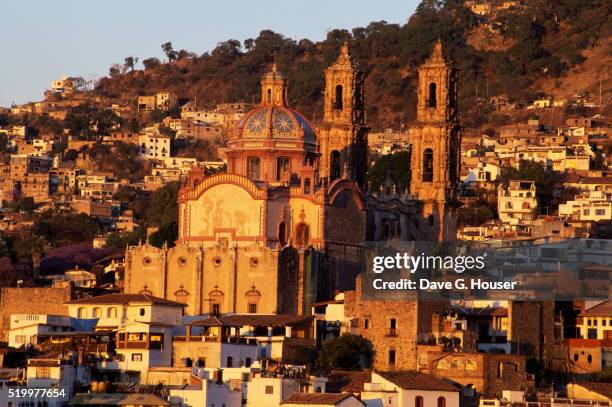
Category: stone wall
<point>37,300</point>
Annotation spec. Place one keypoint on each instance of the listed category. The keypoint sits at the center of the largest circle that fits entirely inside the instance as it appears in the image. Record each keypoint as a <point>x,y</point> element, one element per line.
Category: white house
<point>409,389</point>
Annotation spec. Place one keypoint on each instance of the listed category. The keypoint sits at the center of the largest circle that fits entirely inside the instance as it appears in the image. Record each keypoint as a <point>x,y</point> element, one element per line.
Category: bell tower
<point>343,134</point>
<point>435,139</point>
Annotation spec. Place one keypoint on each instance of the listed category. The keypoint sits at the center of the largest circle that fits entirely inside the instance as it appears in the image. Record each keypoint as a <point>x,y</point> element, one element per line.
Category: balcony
<point>392,332</point>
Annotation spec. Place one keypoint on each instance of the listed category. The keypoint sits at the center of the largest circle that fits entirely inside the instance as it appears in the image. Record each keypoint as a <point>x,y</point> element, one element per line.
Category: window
<point>338,99</point>
<point>334,166</point>
<point>252,308</point>
<point>82,312</point>
<point>600,212</point>
<point>269,95</point>
<point>526,205</point>
<point>441,402</point>
<point>500,370</point>
<point>215,309</point>
<point>586,212</point>
<point>418,401</point>
<point>96,312</point>
<point>20,338</point>
<point>282,167</point>
<point>392,357</point>
<point>366,323</point>
<point>254,168</point>
<point>248,362</point>
<point>142,312</point>
<point>307,186</point>
<point>432,97</point>
<point>282,233</point>
<point>43,372</point>
<point>136,357</point>
<point>269,390</point>
<point>428,165</point>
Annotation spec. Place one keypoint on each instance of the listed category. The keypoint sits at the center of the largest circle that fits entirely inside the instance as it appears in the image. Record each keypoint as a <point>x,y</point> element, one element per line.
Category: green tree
<point>346,352</point>
<point>151,63</point>
<point>171,54</point>
<point>163,207</point>
<point>129,63</point>
<point>394,167</point>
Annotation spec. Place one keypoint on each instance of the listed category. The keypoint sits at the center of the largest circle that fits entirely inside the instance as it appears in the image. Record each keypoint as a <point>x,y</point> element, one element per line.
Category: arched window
<point>248,362</point>
<point>441,402</point>
<point>432,97</point>
<point>97,312</point>
<point>307,186</point>
<point>508,205</point>
<point>338,100</point>
<point>334,171</point>
<point>254,168</point>
<point>418,401</point>
<point>282,233</point>
<point>111,312</point>
<point>428,165</point>
<point>282,167</point>
<point>215,297</point>
<point>269,95</point>
<point>302,235</point>
<point>526,205</point>
<point>82,312</point>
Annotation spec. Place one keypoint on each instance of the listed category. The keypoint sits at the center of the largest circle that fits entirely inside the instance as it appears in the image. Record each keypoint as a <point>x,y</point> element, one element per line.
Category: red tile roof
<point>127,299</point>
<point>317,398</point>
<point>601,310</point>
<point>348,380</point>
<point>254,320</point>
<point>412,380</point>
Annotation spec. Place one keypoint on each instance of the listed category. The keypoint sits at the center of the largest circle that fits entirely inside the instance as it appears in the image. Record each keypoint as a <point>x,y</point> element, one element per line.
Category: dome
<point>276,123</point>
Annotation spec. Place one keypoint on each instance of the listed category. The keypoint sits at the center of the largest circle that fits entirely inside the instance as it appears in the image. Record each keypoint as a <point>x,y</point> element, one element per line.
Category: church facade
<point>286,224</point>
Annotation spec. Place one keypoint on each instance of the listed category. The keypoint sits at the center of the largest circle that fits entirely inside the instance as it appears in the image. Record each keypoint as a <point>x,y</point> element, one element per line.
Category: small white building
<point>409,389</point>
<point>517,202</point>
<point>25,327</point>
<point>593,206</point>
<point>155,146</point>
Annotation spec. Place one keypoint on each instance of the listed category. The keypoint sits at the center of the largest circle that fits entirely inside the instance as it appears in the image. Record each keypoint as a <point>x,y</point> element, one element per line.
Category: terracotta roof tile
<point>348,380</point>
<point>254,320</point>
<point>316,398</point>
<point>126,299</point>
<point>601,310</point>
<point>412,380</point>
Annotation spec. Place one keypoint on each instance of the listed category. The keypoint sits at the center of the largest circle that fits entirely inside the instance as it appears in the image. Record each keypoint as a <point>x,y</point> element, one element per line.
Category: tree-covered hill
<point>544,40</point>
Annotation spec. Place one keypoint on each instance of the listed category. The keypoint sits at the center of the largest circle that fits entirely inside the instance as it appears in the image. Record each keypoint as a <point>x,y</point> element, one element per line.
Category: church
<point>286,225</point>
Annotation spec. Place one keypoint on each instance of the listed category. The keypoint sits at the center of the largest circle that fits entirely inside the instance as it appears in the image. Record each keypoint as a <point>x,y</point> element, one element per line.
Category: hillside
<point>558,47</point>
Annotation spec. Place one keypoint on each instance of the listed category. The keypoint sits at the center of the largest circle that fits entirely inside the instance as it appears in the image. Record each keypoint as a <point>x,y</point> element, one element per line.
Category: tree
<point>171,54</point>
<point>129,63</point>
<point>151,63</point>
<point>167,234</point>
<point>345,352</point>
<point>393,167</point>
<point>163,207</point>
<point>114,70</point>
